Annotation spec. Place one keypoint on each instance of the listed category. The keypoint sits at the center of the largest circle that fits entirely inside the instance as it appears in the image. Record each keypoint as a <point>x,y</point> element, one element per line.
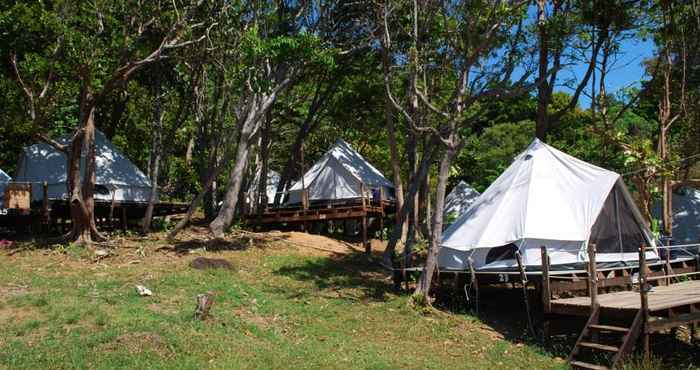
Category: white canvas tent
<point>273,179</point>
<point>338,175</point>
<point>685,215</point>
<point>116,177</point>
<point>547,198</point>
<point>4,179</point>
<point>458,200</point>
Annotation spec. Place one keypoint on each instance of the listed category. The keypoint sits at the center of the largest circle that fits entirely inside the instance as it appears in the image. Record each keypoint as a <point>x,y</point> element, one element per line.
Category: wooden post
<point>523,280</point>
<point>305,208</point>
<point>592,276</point>
<point>475,283</point>
<point>546,291</point>
<point>362,195</point>
<point>365,242</point>
<point>381,227</point>
<point>111,209</point>
<point>644,300</point>
<point>124,219</point>
<point>45,204</point>
<point>667,267</point>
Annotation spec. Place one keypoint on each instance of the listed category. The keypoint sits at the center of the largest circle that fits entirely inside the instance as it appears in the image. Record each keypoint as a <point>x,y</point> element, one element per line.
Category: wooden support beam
<point>592,276</point>
<point>546,291</point>
<point>523,280</point>
<point>667,266</point>
<point>475,283</point>
<point>644,302</point>
<point>124,219</point>
<point>365,242</point>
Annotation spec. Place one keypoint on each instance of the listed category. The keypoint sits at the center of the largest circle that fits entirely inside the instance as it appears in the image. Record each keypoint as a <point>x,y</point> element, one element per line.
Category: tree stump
<point>204,303</point>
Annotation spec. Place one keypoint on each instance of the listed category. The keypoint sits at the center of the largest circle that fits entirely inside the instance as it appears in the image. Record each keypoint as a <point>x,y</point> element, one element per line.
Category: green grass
<point>279,309</point>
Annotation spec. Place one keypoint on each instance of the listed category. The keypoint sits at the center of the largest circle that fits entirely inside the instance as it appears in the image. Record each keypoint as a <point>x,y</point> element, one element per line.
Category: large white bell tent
<point>339,175</point>
<point>458,200</point>
<point>547,198</point>
<point>685,213</point>
<point>4,179</point>
<point>116,177</point>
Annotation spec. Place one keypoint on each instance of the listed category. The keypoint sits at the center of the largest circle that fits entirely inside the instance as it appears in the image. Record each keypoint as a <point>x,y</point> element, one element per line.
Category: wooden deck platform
<point>661,298</point>
<point>344,212</point>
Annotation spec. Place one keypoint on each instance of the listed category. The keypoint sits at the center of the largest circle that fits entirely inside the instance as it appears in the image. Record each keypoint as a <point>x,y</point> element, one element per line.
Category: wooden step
<point>618,329</point>
<point>599,346</point>
<point>586,365</point>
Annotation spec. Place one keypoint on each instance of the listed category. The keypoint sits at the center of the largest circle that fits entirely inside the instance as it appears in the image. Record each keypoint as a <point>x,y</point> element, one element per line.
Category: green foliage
<point>488,154</point>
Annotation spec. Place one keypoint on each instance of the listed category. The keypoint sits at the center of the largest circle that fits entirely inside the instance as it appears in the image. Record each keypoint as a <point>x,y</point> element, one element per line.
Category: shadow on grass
<point>213,245</point>
<point>342,272</point>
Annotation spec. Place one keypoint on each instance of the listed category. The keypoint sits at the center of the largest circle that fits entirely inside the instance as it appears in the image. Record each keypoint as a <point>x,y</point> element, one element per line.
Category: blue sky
<point>628,70</point>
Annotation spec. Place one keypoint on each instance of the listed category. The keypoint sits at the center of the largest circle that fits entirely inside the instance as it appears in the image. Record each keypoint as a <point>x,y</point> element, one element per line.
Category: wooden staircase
<point>599,341</point>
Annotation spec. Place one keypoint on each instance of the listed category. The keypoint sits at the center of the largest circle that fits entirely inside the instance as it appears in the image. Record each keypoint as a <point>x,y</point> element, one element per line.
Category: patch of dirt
<point>18,314</point>
<point>138,342</point>
<point>312,244</point>
<point>253,318</point>
<point>204,263</point>
<point>13,291</point>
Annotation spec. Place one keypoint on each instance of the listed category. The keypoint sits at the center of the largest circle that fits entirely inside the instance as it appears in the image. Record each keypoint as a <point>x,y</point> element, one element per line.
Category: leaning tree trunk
<point>228,208</point>
<point>423,288</point>
<point>213,174</point>
<point>155,157</point>
<point>261,192</point>
<point>408,206</point>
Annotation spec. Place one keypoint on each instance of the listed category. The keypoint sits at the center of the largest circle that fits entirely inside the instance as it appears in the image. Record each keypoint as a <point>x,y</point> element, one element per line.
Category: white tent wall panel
<point>115,175</point>
<point>4,179</point>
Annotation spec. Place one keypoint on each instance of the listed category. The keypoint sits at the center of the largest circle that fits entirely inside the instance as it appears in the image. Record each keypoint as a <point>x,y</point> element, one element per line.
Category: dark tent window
<point>616,230</point>
<point>101,189</point>
<point>505,252</point>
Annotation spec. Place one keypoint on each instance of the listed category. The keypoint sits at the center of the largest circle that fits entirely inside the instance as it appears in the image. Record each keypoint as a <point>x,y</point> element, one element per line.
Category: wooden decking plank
<point>586,365</point>
<point>660,298</point>
<point>618,329</point>
<point>598,346</point>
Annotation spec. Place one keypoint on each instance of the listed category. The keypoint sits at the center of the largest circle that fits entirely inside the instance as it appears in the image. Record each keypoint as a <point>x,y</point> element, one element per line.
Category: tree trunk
<point>542,86</point>
<point>261,192</point>
<point>155,157</point>
<point>81,193</point>
<point>393,149</point>
<point>408,205</point>
<point>228,208</point>
<point>309,125</point>
<point>413,165</point>
<point>423,287</point>
<point>211,177</point>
